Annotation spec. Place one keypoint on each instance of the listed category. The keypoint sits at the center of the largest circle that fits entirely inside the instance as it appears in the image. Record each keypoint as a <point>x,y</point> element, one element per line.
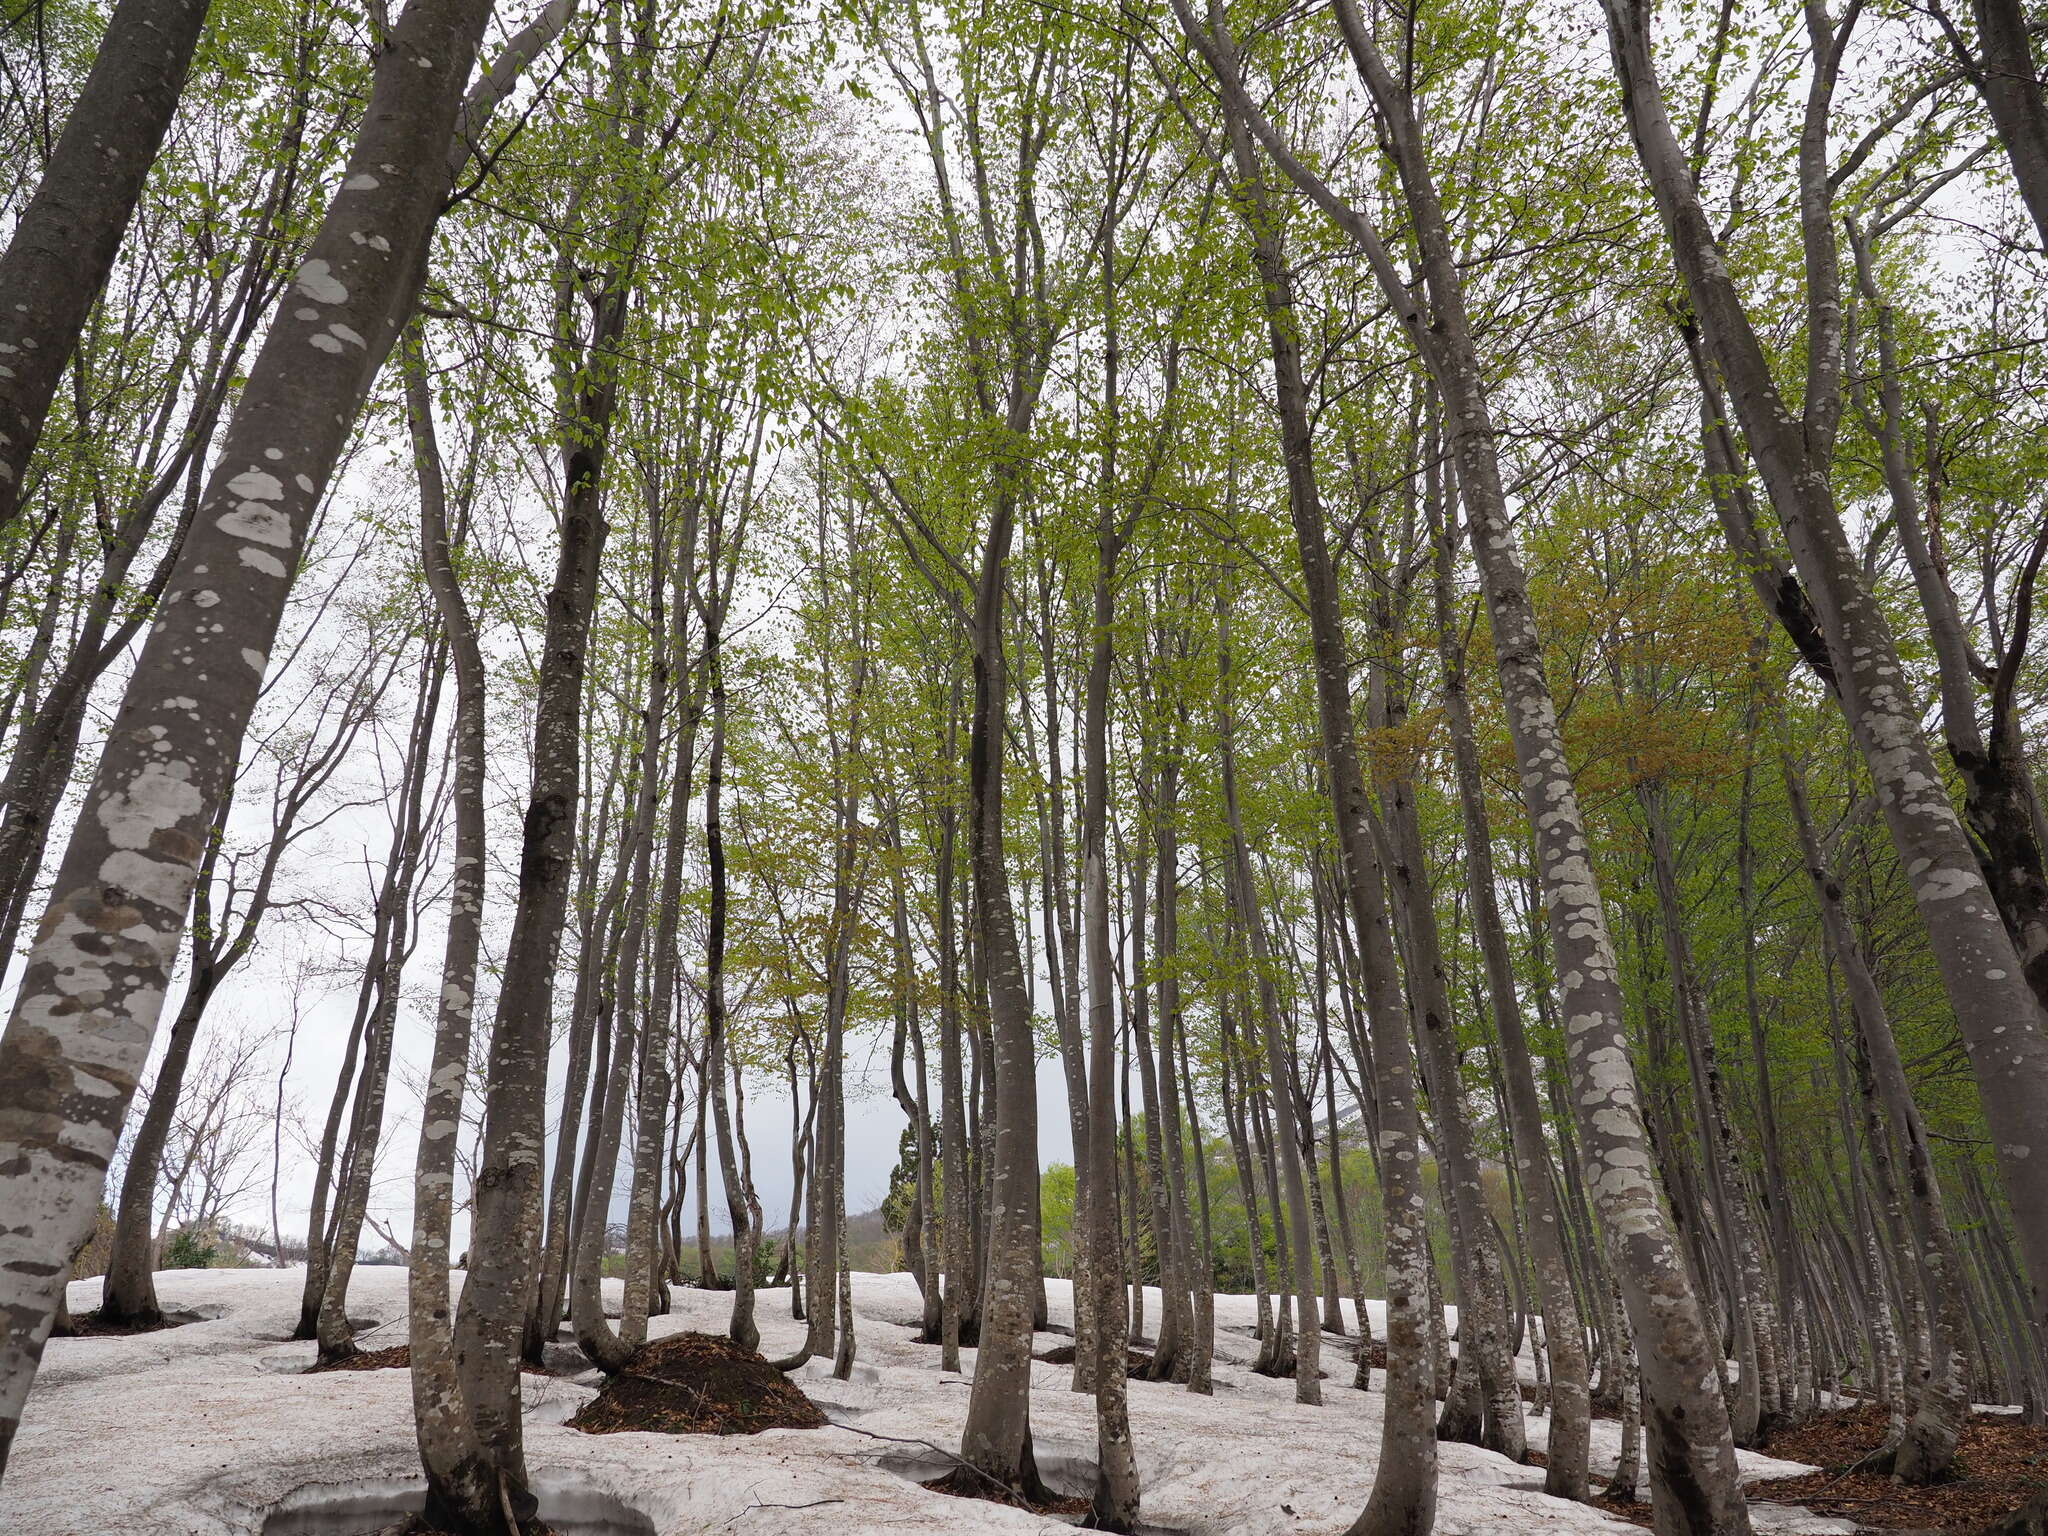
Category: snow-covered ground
<point>202,1430</point>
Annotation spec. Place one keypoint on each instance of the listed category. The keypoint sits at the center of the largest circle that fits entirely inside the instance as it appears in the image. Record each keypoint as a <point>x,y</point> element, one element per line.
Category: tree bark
<point>1564,1344</point>
<point>67,1071</point>
<point>65,241</point>
<point>1997,1013</point>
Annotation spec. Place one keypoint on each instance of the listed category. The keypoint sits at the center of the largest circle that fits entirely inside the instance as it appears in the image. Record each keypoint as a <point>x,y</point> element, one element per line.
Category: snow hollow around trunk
<point>212,1429</point>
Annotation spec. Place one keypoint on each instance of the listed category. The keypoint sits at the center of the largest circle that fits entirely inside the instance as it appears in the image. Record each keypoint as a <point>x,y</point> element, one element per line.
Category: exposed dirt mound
<point>697,1384</point>
<point>2001,1463</point>
<point>89,1325</point>
<point>1136,1361</point>
<point>963,1482</point>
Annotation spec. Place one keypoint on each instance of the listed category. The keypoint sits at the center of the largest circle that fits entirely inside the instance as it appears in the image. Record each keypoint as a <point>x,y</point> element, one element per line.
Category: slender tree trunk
<point>506,1208</point>
<point>129,1293</point>
<point>1942,1399</point>
<point>1286,1133</point>
<point>1695,1489</point>
<point>65,241</point>
<point>1116,1478</point>
<point>740,1201</point>
<point>332,1328</point>
<point>996,1440</point>
<point>1564,1344</point>
<point>1403,1499</point>
<point>462,1487</point>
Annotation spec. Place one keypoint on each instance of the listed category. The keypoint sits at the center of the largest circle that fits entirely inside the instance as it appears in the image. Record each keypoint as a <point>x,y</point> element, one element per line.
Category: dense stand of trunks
<point>1607,1203</point>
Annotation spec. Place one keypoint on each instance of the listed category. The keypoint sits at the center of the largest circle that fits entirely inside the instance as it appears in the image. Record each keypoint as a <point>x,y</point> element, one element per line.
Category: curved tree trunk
<point>1997,1012</point>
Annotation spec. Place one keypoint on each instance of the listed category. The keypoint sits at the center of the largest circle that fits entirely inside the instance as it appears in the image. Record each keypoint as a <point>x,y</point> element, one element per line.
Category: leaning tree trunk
<point>1997,783</point>
<point>66,239</point>
<point>170,752</point>
<point>327,1160</point>
<point>1996,1011</point>
<point>128,1295</point>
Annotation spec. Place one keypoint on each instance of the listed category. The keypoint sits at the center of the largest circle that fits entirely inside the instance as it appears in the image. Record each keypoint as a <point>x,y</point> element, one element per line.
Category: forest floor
<point>215,1429</point>
<point>2001,1463</point>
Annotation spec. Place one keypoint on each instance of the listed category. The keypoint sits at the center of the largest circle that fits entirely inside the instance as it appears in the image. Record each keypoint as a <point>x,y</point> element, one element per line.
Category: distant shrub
<point>190,1249</point>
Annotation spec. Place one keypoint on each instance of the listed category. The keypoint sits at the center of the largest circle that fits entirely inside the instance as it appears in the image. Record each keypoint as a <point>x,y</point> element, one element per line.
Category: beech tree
<point>1447,647</point>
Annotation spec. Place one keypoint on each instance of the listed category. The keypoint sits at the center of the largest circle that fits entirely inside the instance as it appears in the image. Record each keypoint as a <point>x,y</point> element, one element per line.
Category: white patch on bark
<point>262,560</point>
<point>258,523</point>
<point>165,885</point>
<point>258,485</point>
<point>318,283</point>
<point>1945,884</point>
<point>155,800</point>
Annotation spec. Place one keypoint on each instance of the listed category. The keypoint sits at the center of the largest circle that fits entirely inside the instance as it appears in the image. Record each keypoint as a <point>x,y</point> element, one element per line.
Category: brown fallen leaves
<point>963,1482</point>
<point>2001,1463</point>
